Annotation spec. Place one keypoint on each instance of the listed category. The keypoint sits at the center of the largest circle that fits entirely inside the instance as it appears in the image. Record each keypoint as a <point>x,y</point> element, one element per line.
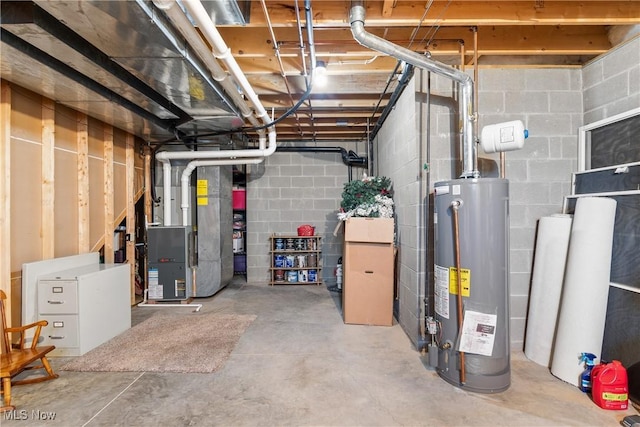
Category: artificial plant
<point>370,196</point>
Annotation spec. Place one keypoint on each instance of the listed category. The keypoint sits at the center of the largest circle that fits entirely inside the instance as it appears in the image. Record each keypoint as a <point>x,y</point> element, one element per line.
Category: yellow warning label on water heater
<point>465,278</point>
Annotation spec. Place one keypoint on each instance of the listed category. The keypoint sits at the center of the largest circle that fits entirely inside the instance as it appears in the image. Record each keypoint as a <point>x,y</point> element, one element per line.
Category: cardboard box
<point>367,293</point>
<point>377,230</point>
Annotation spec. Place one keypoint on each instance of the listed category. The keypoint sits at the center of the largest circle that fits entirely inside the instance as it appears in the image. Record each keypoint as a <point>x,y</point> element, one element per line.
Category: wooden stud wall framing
<point>109,226</point>
<point>147,204</point>
<point>48,176</point>
<point>97,149</point>
<point>131,212</point>
<point>84,242</point>
<point>5,191</point>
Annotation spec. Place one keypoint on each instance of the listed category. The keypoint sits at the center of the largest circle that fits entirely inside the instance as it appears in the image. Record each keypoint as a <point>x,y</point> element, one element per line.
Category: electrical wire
<point>427,7</point>
<point>305,96</point>
<point>434,29</point>
<point>286,114</point>
<point>276,47</point>
<point>414,33</point>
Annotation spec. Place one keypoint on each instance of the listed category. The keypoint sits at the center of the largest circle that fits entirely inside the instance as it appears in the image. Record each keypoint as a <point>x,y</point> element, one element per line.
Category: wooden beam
<point>344,55</point>
<point>48,177</point>
<point>335,100</point>
<point>387,8</point>
<point>324,121</point>
<point>329,137</point>
<point>84,244</point>
<point>109,226</point>
<point>130,240</point>
<point>463,13</point>
<point>5,191</point>
<point>147,208</point>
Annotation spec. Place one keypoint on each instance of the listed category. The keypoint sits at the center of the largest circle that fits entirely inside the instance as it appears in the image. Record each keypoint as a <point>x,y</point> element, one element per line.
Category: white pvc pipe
<point>193,39</point>
<point>221,51</point>
<point>166,192</point>
<point>186,177</point>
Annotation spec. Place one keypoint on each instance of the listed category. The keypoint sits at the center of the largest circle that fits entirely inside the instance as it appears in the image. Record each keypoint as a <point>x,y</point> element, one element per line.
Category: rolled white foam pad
<point>583,306</point>
<point>552,244</point>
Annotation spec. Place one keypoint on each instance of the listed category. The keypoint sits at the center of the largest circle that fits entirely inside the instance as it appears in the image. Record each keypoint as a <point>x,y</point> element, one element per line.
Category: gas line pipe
<point>455,206</point>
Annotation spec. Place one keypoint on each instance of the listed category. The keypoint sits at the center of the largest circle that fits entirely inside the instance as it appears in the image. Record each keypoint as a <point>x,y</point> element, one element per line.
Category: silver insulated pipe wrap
<point>371,41</point>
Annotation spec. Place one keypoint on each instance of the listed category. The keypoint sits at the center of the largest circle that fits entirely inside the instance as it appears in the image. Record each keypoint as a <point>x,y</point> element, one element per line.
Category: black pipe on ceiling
<point>407,73</point>
<point>349,158</point>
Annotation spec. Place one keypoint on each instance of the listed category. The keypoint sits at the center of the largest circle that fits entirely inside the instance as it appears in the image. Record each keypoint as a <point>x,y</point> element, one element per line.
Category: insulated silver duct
<point>468,116</point>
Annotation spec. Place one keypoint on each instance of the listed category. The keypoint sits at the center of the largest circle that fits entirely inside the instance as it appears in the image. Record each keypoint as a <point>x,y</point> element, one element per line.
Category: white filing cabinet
<point>85,306</point>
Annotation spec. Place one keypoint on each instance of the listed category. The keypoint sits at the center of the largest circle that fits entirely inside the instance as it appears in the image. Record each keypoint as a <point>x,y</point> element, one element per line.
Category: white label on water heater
<point>478,333</point>
<point>444,189</point>
<point>441,291</point>
<point>455,190</point>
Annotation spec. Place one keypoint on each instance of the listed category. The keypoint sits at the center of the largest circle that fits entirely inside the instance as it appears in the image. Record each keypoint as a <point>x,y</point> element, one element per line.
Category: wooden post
<point>109,226</point>
<point>48,176</point>
<point>130,241</point>
<point>147,205</point>
<point>84,244</point>
<point>387,8</point>
<point>5,192</point>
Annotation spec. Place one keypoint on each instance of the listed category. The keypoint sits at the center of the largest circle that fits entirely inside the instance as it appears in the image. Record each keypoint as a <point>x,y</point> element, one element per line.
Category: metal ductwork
<point>121,62</point>
<point>468,116</point>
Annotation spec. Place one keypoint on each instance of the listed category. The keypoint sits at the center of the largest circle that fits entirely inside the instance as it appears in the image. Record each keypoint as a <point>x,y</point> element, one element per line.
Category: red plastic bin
<point>239,199</point>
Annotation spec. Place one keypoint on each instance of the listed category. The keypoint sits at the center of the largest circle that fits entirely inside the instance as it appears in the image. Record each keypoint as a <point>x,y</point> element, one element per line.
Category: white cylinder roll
<point>583,306</point>
<point>549,264</point>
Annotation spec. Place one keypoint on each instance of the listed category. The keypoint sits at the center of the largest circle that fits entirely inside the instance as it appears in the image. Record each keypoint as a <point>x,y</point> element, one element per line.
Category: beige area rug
<point>194,342</point>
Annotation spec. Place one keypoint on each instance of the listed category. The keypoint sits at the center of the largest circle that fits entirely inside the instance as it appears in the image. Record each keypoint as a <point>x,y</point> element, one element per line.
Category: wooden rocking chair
<point>16,358</point>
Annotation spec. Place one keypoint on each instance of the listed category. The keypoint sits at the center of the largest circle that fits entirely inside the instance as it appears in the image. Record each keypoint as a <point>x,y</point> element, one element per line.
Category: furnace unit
<point>170,276</point>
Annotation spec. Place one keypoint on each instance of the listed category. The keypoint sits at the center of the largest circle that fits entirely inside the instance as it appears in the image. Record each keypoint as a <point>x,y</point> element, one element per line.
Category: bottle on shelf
<point>295,260</point>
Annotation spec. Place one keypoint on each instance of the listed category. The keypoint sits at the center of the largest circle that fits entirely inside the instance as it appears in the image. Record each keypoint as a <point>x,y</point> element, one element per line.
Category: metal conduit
<point>466,102</point>
<point>301,41</point>
<point>276,47</point>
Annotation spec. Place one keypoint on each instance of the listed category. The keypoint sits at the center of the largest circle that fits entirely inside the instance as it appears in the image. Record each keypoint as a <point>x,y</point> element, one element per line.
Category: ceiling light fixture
<point>320,75</point>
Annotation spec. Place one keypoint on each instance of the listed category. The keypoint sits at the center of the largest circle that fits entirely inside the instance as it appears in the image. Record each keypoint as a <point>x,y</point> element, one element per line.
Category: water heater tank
<point>483,238</point>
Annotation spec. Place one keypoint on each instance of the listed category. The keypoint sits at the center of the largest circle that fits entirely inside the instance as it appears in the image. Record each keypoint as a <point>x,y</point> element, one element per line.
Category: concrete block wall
<point>548,101</point>
<point>612,82</point>
<point>290,189</point>
<point>400,157</point>
<point>286,191</point>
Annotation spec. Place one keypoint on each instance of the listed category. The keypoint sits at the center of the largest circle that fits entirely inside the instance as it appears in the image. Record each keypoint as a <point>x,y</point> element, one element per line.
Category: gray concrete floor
<point>299,364</point>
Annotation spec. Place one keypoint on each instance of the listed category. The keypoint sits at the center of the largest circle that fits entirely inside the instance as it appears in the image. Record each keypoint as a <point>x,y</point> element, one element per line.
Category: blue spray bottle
<point>585,378</point>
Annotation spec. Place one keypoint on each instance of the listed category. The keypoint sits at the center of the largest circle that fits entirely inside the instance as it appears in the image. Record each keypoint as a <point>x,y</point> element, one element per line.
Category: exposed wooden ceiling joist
<point>458,13</point>
<point>505,33</point>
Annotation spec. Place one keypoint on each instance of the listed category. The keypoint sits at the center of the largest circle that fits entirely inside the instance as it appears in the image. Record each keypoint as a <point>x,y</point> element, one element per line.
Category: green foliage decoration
<point>367,197</point>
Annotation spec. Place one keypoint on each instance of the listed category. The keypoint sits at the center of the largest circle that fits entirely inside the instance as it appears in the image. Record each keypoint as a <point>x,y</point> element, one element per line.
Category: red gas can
<point>610,388</point>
